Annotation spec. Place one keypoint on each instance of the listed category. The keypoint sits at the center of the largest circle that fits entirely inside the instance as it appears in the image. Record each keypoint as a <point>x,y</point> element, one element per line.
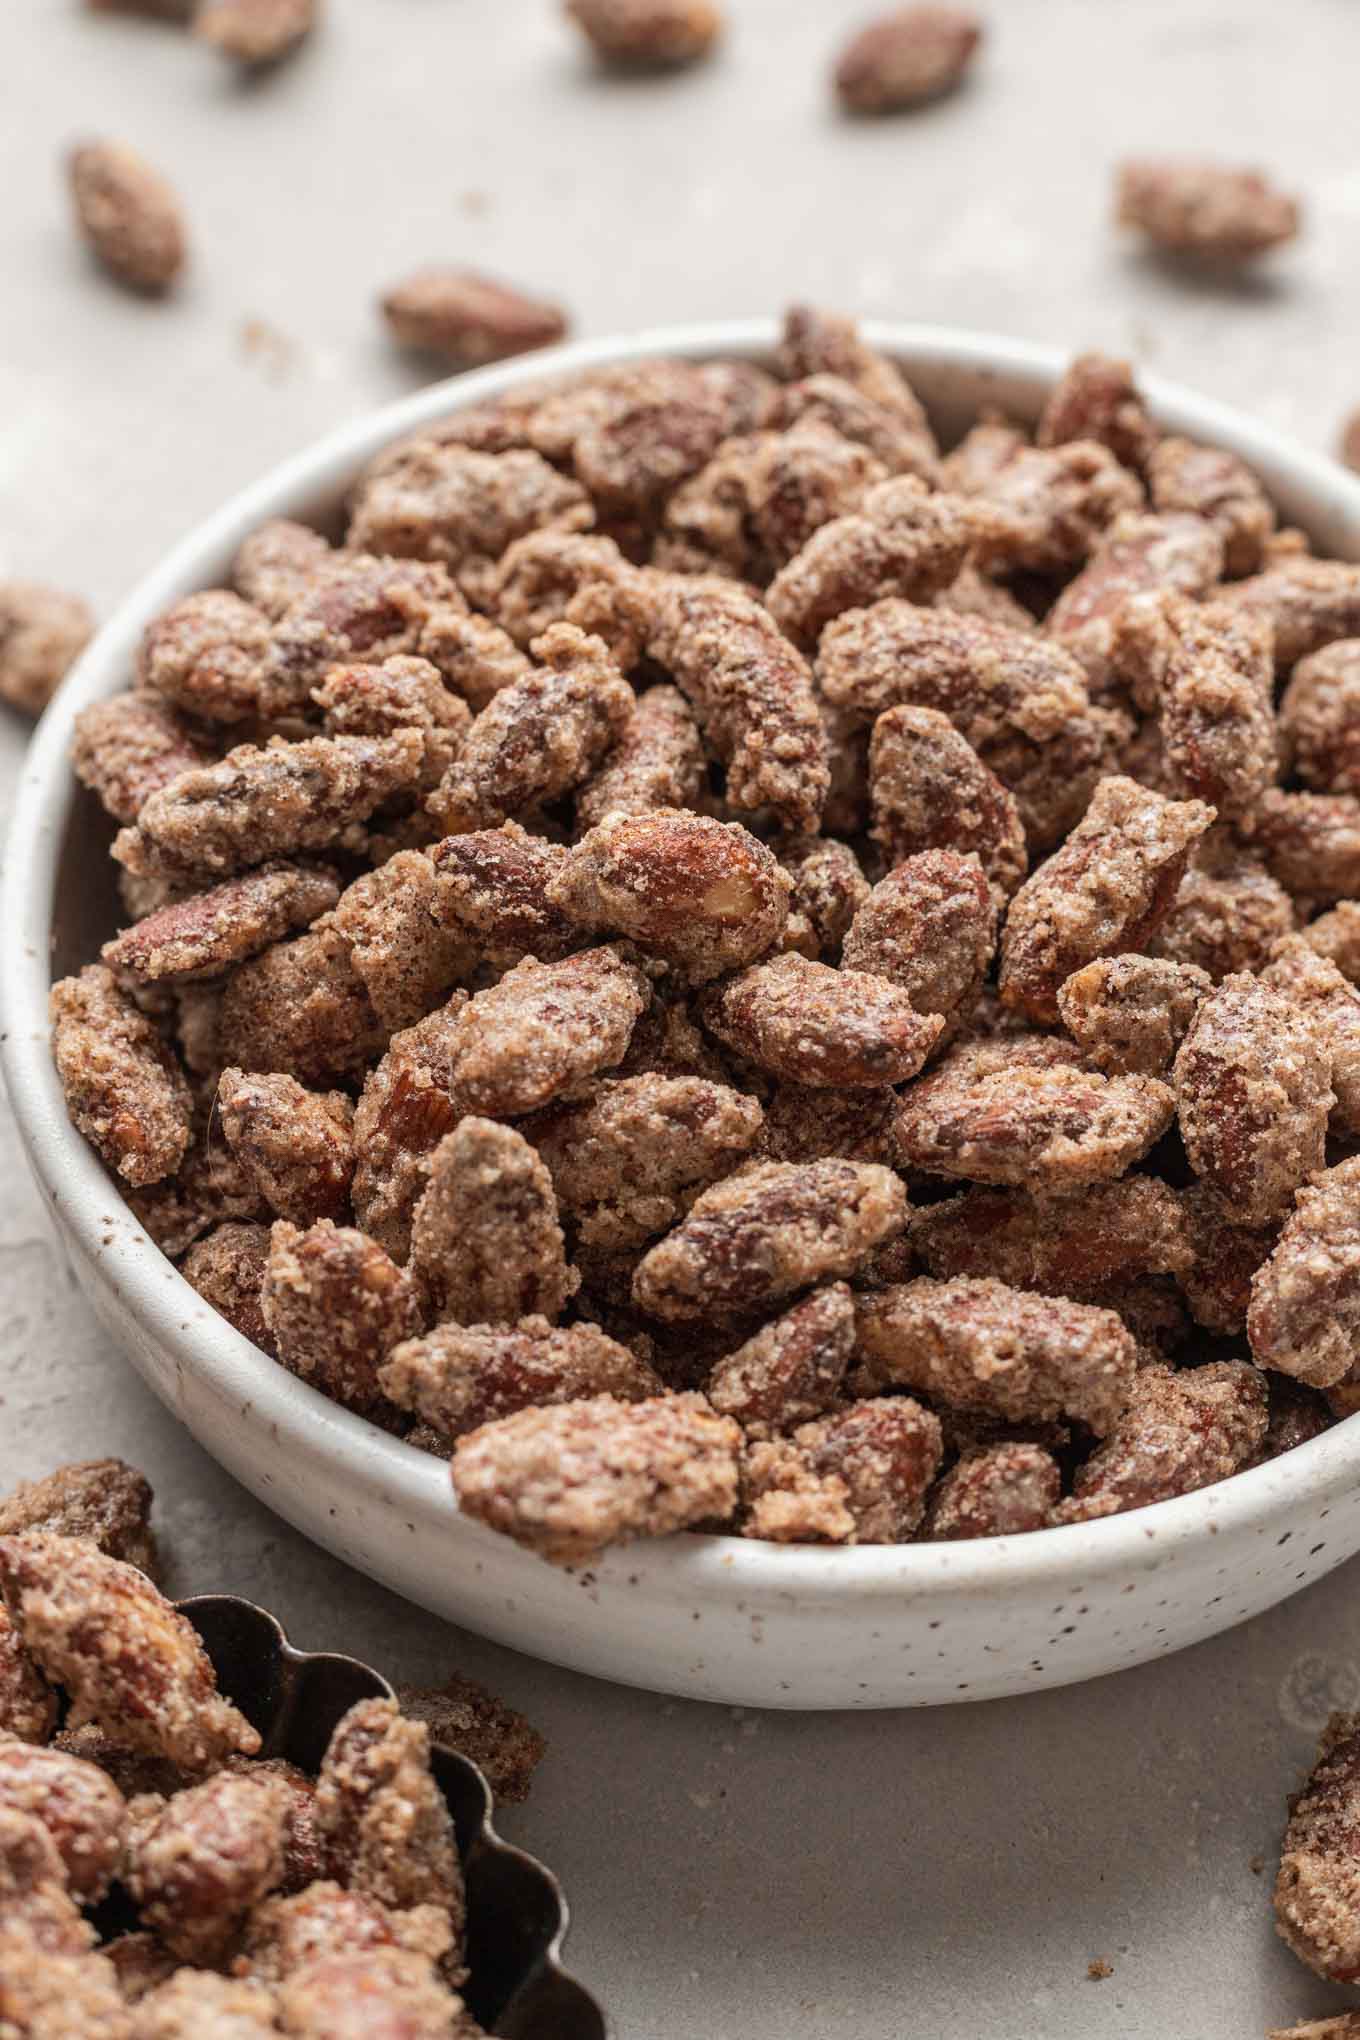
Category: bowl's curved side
<point>717,1618</point>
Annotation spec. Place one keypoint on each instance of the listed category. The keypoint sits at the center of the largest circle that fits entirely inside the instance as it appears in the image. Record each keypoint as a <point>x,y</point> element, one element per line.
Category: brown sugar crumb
<point>703,894</point>
<point>648,34</point>
<point>460,1376</point>
<point>1100,615</point>
<point>859,1477</point>
<point>468,319</point>
<point>128,214</point>
<point>104,1500</point>
<point>461,509</point>
<point>1178,1432</point>
<point>539,737</point>
<point>990,1117</point>
<point>1131,1013</point>
<point>380,1992</point>
<point>752,692</point>
<point>1020,701</point>
<point>298,1146</point>
<point>387,1831</point>
<point>336,1305</point>
<point>1336,935</point>
<point>129,748</point>
<point>259,803</point>
<point>1320,718</point>
<point>1253,1095</point>
<point>1098,399</point>
<point>792,1370</point>
<point>486,1246</point>
<point>408,962</point>
<point>1208,211</point>
<point>760,1237</point>
<point>300,1008</point>
<point>658,762</point>
<point>1049,506</point>
<point>1315,1892</point>
<point>1109,1233</point>
<point>1107,890</point>
<point>1304,1315</point>
<point>902,541</point>
<point>622,1159</point>
<point>210,1855</point>
<point>544,1029</point>
<point>227,1269</point>
<point>1099,1970</point>
<point>1332,1003</point>
<point>256,32</point>
<point>929,790</point>
<point>28,1706</point>
<point>277,563</point>
<point>208,933</point>
<point>814,1025</point>
<point>124,1089</point>
<point>569,1480</point>
<point>997,1491</point>
<point>1228,913</point>
<point>462,1715</point>
<point>906,59</point>
<point>81,1808</point>
<point>196,2005</point>
<point>128,1661</point>
<point>977,1344</point>
<point>929,927</point>
<point>43,631</point>
<point>1218,487</point>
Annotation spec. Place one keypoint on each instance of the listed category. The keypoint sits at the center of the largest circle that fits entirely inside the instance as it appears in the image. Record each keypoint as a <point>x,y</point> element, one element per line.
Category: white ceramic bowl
<point>718,1618</point>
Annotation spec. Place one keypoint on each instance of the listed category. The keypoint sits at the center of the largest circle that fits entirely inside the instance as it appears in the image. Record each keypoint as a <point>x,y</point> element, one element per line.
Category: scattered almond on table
<point>648,34</point>
<point>129,214</point>
<point>906,59</point>
<point>43,631</point>
<point>468,319</point>
<point>256,32</point>
<point>1208,212</point>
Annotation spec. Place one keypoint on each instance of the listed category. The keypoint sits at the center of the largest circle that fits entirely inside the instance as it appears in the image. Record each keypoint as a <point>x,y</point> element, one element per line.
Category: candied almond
<point>648,34</point>
<point>376,1994</point>
<point>297,1145</point>
<point>859,1476</point>
<point>807,1124</point>
<point>256,32</point>
<point>899,437</point>
<point>1178,1432</point>
<point>1210,211</point>
<point>1311,843</point>
<point>463,1715</point>
<point>208,933</point>
<point>1130,1013</point>
<point>762,1236</point>
<point>816,342</point>
<point>126,749</point>
<point>491,887</point>
<point>1337,935</point>
<point>1228,913</point>
<point>404,1111</point>
<point>1328,998</point>
<point>1111,1233</point>
<point>792,1370</point>
<point>128,213</point>
<point>486,1246</point>
<point>299,1008</point>
<point>544,1029</point>
<point>814,1025</point>
<point>467,318</point>
<point>929,790</point>
<point>195,2004</point>
<point>902,541</point>
<point>570,1479</point>
<point>1316,1892</point>
<point>204,654</point>
<point>1220,488</point>
<point>1048,505</point>
<point>930,928</point>
<point>906,58</point>
<point>43,631</point>
<point>1106,890</point>
<point>760,499</point>
<point>386,1827</point>
<point>1097,398</point>
<point>1304,1316</point>
<point>579,577</point>
<point>705,895</point>
<point>104,1500</point>
<point>79,1805</point>
<point>407,955</point>
<point>401,693</point>
<point>51,1992</point>
<point>124,1090</point>
<point>1101,616</point>
<point>658,762</point>
<point>460,1376</point>
<point>128,1660</point>
<point>1320,718</point>
<point>995,1491</point>
<point>227,1267</point>
<point>828,886</point>
<point>276,563</point>
<point>284,1934</point>
<point>977,1344</point>
<point>1309,602</point>
<point>28,1706</point>
<point>210,1855</point>
<point>1217,720</point>
<point>335,1304</point>
<point>1253,1095</point>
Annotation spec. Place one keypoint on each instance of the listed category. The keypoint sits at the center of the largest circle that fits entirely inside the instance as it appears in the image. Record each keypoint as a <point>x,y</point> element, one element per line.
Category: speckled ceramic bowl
<point>715,1617</point>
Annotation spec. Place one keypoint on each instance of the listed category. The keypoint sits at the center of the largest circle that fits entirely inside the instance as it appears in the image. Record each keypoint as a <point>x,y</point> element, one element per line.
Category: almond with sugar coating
<point>1317,1891</point>
<point>906,58</point>
<point>205,654</point>
<point>1304,1316</point>
<point>277,563</point>
<point>1213,213</point>
<point>1217,717</point>
<point>407,956</point>
<point>194,2004</point>
<point>658,762</point>
<point>998,1491</point>
<point>648,34</point>
<point>387,1830</point>
<point>792,1370</point>
<point>124,1089</point>
<point>1097,398</point>
<point>857,1477</point>
<point>283,1935</point>
<point>541,1031</point>
<point>28,1706</point>
<point>1130,1013</point>
<point>297,1145</point>
<point>1048,506</point>
<point>300,1008</point>
<point>105,1500</point>
<point>129,748</point>
<point>1332,1003</point>
<point>902,541</point>
<point>929,790</point>
<point>227,1269</point>
<point>1109,1233</point>
<point>212,1853</point>
<point>1311,842</point>
<point>462,1715</point>
<point>828,886</point>
<point>1179,1432</point>
<point>491,886</point>
<point>128,214</point>
<point>1228,913</point>
<point>256,32</point>
<point>705,895</point>
<point>813,1025</point>
<point>760,1237</point>
<point>1137,561</point>
<point>816,342</point>
<point>570,1480</point>
<point>81,1808</point>
<point>1308,603</point>
<point>209,933</point>
<point>43,631</point>
<point>930,927</point>
<point>467,318</point>
<point>1320,718</point>
<point>1337,935</point>
<point>1225,1257</point>
<point>1206,482</point>
<point>375,1994</point>
<point>336,1305</point>
<point>460,1376</point>
<point>486,1246</point>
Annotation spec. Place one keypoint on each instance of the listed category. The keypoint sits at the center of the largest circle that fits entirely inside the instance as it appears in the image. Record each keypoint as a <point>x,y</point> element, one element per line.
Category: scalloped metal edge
<point>518,1915</point>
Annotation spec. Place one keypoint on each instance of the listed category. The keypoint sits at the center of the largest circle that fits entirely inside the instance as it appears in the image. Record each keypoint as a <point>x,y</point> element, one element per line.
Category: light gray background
<point>943,1876</point>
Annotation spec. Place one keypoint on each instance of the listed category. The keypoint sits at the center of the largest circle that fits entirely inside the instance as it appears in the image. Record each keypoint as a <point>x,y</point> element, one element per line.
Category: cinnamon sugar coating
<point>1217,1282</point>
<point>1304,1316</point>
<point>212,1853</point>
<point>104,1500</point>
<point>1177,1432</point>
<point>1107,890</point>
<point>623,1159</point>
<point>1206,482</point>
<point>276,564</point>
<point>283,1935</point>
<point>128,1661</point>
<point>1207,211</point>
<point>124,1090</point>
<point>1096,398</point>
<point>1138,561</point>
<point>81,1808</point>
<point>460,1376</point>
<point>1228,912</point>
<point>1253,1095</point>
<point>462,1715</point>
<point>227,1269</point>
<point>762,1236</point>
<point>468,318</point>
<point>204,656</point>
<point>905,58</point>
<point>356,607</point>
<point>491,890</point>
<point>1336,935</point>
<point>131,747</point>
<point>929,927</point>
<point>569,1480</point>
<point>858,1477</point>
<point>1320,718</point>
<point>1332,1003</point>
<point>1317,1900</point>
<point>387,1831</point>
<point>977,1344</point>
<point>1217,721</point>
<point>705,895</point>
<point>486,1246</point>
<point>28,1706</point>
<point>128,215</point>
<point>996,1491</point>
<point>929,790</point>
<point>658,762</point>
<point>1311,843</point>
<point>901,541</point>
<point>1130,1013</point>
<point>209,933</point>
<point>828,887</point>
<point>43,631</point>
<point>379,1994</point>
<point>401,693</point>
<point>811,1024</point>
<point>1048,506</point>
<point>297,1145</point>
<point>990,1114</point>
<point>258,803</point>
<point>407,956</point>
<point>751,691</point>
<point>302,1009</point>
<point>1107,1234</point>
<point>49,1993</point>
<point>1308,603</point>
<point>792,1370</point>
<point>196,2005</point>
<point>335,1304</point>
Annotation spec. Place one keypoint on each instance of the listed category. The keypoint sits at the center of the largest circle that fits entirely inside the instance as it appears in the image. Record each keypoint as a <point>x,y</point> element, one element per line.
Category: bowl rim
<point>72,1178</point>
